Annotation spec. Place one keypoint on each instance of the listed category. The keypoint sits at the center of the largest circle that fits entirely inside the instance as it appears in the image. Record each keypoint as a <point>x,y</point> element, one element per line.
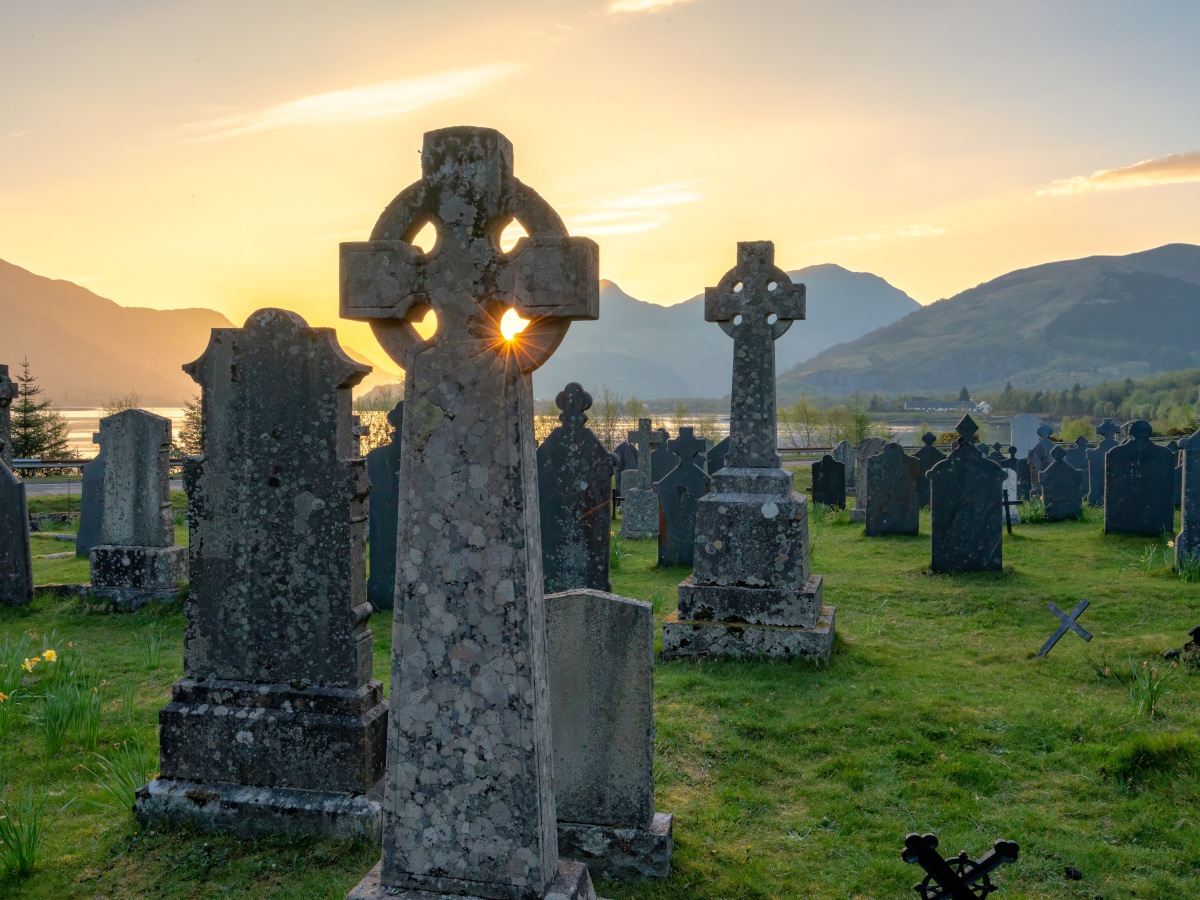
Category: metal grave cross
<point>1069,622</point>
<point>755,303</point>
<point>687,446</point>
<point>965,878</point>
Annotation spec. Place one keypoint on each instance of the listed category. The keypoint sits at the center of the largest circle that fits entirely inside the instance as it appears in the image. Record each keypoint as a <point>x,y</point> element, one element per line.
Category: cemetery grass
<point>786,780</point>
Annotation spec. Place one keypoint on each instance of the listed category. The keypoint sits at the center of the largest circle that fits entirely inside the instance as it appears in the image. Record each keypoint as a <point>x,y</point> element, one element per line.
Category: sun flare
<point>511,324</point>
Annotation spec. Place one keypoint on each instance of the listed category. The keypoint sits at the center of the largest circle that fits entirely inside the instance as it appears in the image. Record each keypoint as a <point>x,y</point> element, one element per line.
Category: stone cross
<point>642,439</point>
<point>1069,621</point>
<point>469,792</point>
<point>755,304</point>
<point>1108,429</point>
<point>687,447</point>
<point>965,879</point>
<point>8,393</point>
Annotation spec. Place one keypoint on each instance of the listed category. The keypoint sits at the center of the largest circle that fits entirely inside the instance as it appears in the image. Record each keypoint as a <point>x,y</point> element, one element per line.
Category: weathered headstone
<point>16,564</point>
<point>678,492</point>
<point>844,453</point>
<point>602,715</point>
<point>662,460</point>
<point>1077,458</point>
<point>892,504</point>
<point>8,393</point>
<point>1061,487</point>
<point>136,560</point>
<point>469,794</point>
<point>829,482</point>
<point>574,492</point>
<point>383,471</point>
<point>966,511</point>
<point>1187,542</point>
<point>1040,456</point>
<point>91,503</point>
<point>1108,430</point>
<point>862,489</point>
<point>1025,433</point>
<point>1139,486</point>
<point>276,725</point>
<point>751,592</point>
<point>927,457</point>
<point>639,503</point>
<point>715,458</point>
<point>627,458</point>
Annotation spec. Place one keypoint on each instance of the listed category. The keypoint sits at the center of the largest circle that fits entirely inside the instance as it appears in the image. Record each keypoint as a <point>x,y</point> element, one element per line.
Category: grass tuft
<point>1142,755</point>
<point>119,775</point>
<point>21,834</point>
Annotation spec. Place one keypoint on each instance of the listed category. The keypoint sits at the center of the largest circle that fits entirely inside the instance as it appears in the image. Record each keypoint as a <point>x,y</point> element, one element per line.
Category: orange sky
<point>214,154</point>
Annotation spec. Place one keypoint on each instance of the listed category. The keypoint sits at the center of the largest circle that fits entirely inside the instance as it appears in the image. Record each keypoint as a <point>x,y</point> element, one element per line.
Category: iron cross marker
<point>1069,622</point>
<point>964,878</point>
<point>755,304</point>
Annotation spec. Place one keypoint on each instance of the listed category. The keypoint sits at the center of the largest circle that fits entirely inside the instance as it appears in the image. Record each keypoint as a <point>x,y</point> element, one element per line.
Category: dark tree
<point>189,440</point>
<point>38,429</point>
<point>964,395</point>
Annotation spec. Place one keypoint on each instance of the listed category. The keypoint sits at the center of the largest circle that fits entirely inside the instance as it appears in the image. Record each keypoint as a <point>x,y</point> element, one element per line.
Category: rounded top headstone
<point>1140,430</point>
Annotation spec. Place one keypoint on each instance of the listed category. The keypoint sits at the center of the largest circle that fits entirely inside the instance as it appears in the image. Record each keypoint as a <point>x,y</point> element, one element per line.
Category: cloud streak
<point>370,101</point>
<point>633,213</point>
<point>615,7</point>
<point>1175,168</point>
<point>883,234</point>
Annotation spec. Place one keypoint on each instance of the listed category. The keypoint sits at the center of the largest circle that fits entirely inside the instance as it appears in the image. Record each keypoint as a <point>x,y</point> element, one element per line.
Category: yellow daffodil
<point>50,655</point>
<point>30,663</point>
<point>3,697</point>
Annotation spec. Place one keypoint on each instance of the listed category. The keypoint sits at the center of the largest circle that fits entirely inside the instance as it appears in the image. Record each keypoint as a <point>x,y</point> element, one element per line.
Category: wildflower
<point>70,643</point>
<point>3,697</point>
<point>50,655</point>
<point>30,663</point>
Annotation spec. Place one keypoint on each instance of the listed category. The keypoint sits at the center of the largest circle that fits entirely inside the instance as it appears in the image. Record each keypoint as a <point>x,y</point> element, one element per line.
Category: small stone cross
<point>755,303</point>
<point>1108,429</point>
<point>642,439</point>
<point>687,446</point>
<point>966,879</point>
<point>574,402</point>
<point>967,429</point>
<point>1069,621</point>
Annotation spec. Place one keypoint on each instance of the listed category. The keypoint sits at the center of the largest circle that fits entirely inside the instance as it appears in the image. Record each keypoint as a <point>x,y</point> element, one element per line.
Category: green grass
<point>786,780</point>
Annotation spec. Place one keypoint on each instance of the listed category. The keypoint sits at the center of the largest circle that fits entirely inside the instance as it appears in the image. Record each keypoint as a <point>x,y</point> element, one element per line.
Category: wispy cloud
<point>883,234</point>
<point>640,6</point>
<point>1175,168</point>
<point>632,213</point>
<point>369,101</point>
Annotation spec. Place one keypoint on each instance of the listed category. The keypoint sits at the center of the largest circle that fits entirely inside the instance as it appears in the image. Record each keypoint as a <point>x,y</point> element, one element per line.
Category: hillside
<point>670,351</point>
<point>85,349</point>
<point>1046,327</point>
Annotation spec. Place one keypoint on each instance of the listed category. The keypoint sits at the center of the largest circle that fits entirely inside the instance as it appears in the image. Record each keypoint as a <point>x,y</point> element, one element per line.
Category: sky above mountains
<point>213,154</point>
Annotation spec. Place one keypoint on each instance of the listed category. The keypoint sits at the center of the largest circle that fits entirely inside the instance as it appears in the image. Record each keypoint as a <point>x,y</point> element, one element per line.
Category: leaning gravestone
<point>469,794</point>
<point>1062,488</point>
<point>1025,433</point>
<point>1108,430</point>
<point>715,458</point>
<point>1187,542</point>
<point>91,503</point>
<point>602,716</point>
<point>892,504</point>
<point>844,454</point>
<point>862,488</point>
<point>1077,458</point>
<point>662,460</point>
<point>136,560</point>
<point>1139,486</point>
<point>8,393</point>
<point>639,503</point>
<point>829,482</point>
<point>276,725</point>
<point>383,471</point>
<point>678,493</point>
<point>574,492</point>
<point>927,457</point>
<point>751,593</point>
<point>16,563</point>
<point>965,508</point>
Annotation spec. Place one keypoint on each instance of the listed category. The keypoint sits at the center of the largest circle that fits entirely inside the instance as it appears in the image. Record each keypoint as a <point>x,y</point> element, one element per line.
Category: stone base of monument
<point>858,515</point>
<point>572,882</point>
<point>737,605</point>
<point>252,811</point>
<point>620,854</point>
<point>130,577</point>
<point>639,514</point>
<point>686,639</point>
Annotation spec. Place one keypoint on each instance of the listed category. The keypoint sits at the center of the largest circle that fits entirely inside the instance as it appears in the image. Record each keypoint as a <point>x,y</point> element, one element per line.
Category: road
<point>34,488</point>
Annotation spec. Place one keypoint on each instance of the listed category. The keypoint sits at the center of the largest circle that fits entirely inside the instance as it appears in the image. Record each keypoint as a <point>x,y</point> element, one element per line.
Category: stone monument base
<point>684,639</point>
<point>620,854</point>
<point>251,811</point>
<point>572,882</point>
<point>130,577</point>
<point>736,605</point>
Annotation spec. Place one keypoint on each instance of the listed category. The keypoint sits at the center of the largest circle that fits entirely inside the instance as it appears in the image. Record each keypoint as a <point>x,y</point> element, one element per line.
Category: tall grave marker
<point>862,485</point>
<point>1139,485</point>
<point>383,470</point>
<point>1061,487</point>
<point>966,510</point>
<point>927,457</point>
<point>469,806</point>
<point>829,482</point>
<point>678,492</point>
<point>844,454</point>
<point>892,504</point>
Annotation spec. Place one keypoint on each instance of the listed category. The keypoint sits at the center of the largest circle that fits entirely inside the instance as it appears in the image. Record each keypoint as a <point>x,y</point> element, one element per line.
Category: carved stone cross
<point>965,878</point>
<point>755,303</point>
<point>1108,429</point>
<point>644,440</point>
<point>687,446</point>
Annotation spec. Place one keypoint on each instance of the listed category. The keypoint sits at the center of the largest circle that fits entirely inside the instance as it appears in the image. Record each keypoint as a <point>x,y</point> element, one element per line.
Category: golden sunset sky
<point>214,153</point>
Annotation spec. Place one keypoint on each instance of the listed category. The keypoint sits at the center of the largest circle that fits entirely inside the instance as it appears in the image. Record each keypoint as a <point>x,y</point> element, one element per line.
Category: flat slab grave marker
<point>469,804</point>
<point>1108,430</point>
<point>892,504</point>
<point>639,503</point>
<point>1139,486</point>
<point>966,513</point>
<point>1068,622</point>
<point>829,482</point>
<point>276,724</point>
<point>962,878</point>
<point>383,471</point>
<point>1062,488</point>
<point>1187,542</point>
<point>751,592</point>
<point>16,561</point>
<point>927,457</point>
<point>574,494</point>
<point>678,493</point>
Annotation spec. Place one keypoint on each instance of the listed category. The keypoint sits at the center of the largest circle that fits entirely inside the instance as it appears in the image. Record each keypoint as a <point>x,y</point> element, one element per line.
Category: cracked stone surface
<point>966,512</point>
<point>678,493</point>
<point>383,470</point>
<point>469,794</point>
<point>1139,485</point>
<point>16,563</point>
<point>892,504</point>
<point>639,506</point>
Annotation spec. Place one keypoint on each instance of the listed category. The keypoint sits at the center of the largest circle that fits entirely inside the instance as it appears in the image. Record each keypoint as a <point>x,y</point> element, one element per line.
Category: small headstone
<point>8,393</point>
<point>574,492</point>
<point>16,563</point>
<point>1187,542</point>
<point>601,650</point>
<point>844,453</point>
<point>1025,433</point>
<point>1108,430</point>
<point>383,471</point>
<point>1077,458</point>
<point>662,460</point>
<point>1139,486</point>
<point>829,482</point>
<point>91,503</point>
<point>639,503</point>
<point>966,511</point>
<point>276,724</point>
<point>715,458</point>
<point>1067,622</point>
<point>927,457</point>
<point>962,878</point>
<point>678,493</point>
<point>1062,488</point>
<point>892,504</point>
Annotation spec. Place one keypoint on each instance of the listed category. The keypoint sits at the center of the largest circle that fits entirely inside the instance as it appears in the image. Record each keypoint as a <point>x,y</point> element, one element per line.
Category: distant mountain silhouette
<point>1047,327</point>
<point>671,351</point>
<point>85,350</point>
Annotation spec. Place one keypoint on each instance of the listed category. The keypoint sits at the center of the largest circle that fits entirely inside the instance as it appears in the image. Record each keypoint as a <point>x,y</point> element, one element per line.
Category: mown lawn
<point>786,781</point>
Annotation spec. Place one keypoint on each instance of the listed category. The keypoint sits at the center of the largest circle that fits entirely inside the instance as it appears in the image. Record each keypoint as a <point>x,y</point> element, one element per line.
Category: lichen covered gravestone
<point>927,457</point>
<point>1139,485</point>
<point>574,496</point>
<point>678,492</point>
<point>829,482</point>
<point>752,593</point>
<point>276,724</point>
<point>965,509</point>
<point>1187,542</point>
<point>136,560</point>
<point>383,471</point>
<point>602,714</point>
<point>639,502</point>
<point>1108,430</point>
<point>8,393</point>
<point>892,504</point>
<point>866,448</point>
<point>16,564</point>
<point>469,794</point>
<point>1061,487</point>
